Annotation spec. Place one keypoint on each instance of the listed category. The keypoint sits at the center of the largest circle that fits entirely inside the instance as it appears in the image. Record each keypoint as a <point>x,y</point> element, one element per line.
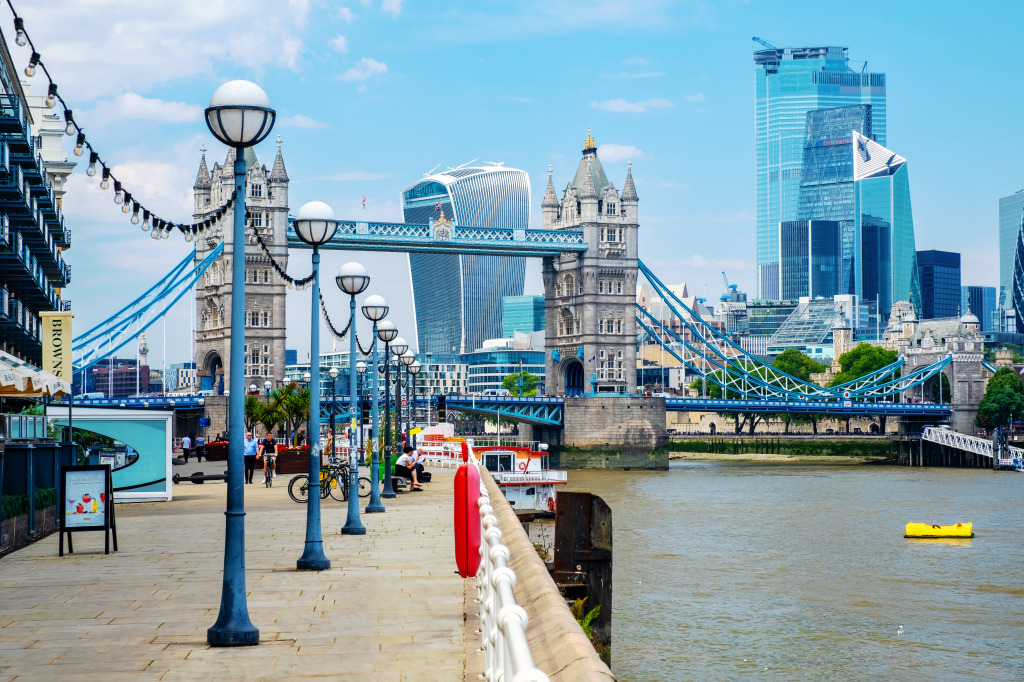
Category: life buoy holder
<point>551,504</point>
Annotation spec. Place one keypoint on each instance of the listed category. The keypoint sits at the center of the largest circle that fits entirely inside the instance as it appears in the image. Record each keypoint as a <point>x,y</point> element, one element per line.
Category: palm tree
<point>254,412</point>
<point>296,406</point>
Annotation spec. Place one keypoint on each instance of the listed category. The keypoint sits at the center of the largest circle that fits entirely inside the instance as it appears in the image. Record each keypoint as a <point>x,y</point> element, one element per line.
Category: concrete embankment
<point>782,449</point>
<point>559,646</point>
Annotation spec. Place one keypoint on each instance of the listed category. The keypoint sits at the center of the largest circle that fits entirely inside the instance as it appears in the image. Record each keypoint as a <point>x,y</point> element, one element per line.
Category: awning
<point>22,380</point>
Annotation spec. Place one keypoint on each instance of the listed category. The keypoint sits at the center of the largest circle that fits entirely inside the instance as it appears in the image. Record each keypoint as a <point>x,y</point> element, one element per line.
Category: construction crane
<point>728,287</point>
<point>765,43</point>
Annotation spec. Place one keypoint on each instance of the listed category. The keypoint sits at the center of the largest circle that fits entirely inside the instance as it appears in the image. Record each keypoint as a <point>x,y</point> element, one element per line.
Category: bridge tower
<point>590,321</point>
<point>267,206</point>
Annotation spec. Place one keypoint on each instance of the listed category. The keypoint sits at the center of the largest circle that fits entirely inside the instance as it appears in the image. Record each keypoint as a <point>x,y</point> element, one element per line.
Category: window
<point>600,286</point>
<point>600,330</point>
<point>266,276</point>
<point>603,235</point>
<point>257,190</point>
<point>256,219</point>
<point>618,327</point>
<point>558,287</point>
<point>611,209</point>
<point>618,286</point>
<point>579,287</point>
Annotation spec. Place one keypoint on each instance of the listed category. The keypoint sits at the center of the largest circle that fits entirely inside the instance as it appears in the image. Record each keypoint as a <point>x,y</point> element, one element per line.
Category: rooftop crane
<point>765,43</point>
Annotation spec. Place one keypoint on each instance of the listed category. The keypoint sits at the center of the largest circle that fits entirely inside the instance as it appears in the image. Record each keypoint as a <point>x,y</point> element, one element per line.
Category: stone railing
<point>555,640</point>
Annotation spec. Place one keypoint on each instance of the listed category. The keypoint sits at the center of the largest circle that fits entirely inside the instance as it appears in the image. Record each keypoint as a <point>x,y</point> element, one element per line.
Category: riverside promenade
<point>390,608</point>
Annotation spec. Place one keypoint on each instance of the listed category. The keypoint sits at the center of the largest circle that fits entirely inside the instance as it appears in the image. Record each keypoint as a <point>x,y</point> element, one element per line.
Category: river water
<point>802,572</point>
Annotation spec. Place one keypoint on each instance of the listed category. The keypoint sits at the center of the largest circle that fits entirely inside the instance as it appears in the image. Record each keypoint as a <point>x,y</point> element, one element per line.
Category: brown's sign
<point>57,343</point>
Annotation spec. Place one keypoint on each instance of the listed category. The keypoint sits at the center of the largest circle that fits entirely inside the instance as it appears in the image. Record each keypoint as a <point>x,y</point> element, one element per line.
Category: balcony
<point>12,116</point>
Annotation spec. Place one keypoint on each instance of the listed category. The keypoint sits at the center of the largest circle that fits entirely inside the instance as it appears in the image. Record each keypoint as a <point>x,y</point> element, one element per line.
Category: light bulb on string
<point>93,158</point>
<point>155,234</point>
<point>51,96</point>
<point>30,70</point>
<point>70,121</point>
<point>135,213</point>
<point>117,192</point>
<point>19,28</point>
<point>127,200</point>
<point>145,221</point>
<point>106,179</point>
<point>79,143</point>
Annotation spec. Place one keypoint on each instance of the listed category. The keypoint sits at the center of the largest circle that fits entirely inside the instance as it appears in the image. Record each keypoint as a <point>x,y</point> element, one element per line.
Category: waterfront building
<point>523,314</point>
<point>487,367</point>
<point>789,83</point>
<point>441,375</point>
<point>981,301</point>
<point>939,273</point>
<point>458,298</point>
<point>885,257</point>
<point>1011,211</point>
<point>590,298</point>
<point>267,206</point>
<point>33,236</point>
<point>810,258</point>
<point>809,328</point>
<point>181,376</point>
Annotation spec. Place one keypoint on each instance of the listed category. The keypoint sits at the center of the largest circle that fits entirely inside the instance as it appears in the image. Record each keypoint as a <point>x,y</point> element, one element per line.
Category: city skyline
<point>357,86</point>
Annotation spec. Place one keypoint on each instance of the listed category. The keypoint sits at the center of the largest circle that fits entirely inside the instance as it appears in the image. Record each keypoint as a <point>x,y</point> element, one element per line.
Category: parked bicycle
<point>333,482</point>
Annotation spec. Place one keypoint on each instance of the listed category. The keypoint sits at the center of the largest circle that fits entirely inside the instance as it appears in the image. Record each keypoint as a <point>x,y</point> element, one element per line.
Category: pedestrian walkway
<point>390,608</point>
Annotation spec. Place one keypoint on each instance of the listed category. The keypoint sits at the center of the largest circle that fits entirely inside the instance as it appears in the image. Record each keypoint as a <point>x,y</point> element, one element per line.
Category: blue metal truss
<point>447,238</point>
<point>547,411</point>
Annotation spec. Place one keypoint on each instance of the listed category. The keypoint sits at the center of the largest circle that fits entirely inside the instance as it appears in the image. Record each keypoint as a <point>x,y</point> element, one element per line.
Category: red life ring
<point>465,451</point>
<point>467,520</point>
<point>523,466</point>
<point>551,504</point>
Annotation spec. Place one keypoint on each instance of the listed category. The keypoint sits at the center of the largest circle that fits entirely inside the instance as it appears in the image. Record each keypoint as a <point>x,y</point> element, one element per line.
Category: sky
<point>372,94</point>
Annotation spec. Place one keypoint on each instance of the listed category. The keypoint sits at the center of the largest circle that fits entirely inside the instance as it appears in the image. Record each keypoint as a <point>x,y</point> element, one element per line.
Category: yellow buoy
<point>931,530</point>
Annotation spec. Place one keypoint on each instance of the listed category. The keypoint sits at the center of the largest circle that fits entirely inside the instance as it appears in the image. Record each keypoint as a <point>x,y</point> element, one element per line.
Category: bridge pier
<point>614,432</point>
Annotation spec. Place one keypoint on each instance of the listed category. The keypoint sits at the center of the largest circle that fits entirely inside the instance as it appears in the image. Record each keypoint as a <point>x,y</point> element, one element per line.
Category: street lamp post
<point>398,347</point>
<point>333,373</point>
<point>407,358</point>
<point>413,369</point>
<point>353,280</point>
<point>240,116</point>
<point>267,385</point>
<point>374,309</point>
<point>386,332</point>
<point>361,368</point>
<point>315,225</point>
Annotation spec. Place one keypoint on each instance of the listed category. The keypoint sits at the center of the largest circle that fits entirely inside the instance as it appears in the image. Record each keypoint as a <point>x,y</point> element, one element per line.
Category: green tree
<point>1004,399</point>
<point>861,360</point>
<point>254,410</point>
<point>797,364</point>
<point>940,395</point>
<point>296,407</point>
<point>521,381</point>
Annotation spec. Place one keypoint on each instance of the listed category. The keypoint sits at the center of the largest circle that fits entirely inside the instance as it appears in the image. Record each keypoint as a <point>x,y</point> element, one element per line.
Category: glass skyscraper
<point>521,314</point>
<point>457,298</point>
<point>885,257</point>
<point>982,302</point>
<point>789,83</point>
<point>939,273</point>
<point>1011,209</point>
<point>810,258</point>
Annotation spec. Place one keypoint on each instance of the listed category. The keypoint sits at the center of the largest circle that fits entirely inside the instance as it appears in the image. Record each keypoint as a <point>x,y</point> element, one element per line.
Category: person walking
<point>186,448</point>
<point>249,447</point>
<point>201,448</point>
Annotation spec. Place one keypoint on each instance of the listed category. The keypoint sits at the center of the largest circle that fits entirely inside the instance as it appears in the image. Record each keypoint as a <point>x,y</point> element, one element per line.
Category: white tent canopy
<point>22,380</point>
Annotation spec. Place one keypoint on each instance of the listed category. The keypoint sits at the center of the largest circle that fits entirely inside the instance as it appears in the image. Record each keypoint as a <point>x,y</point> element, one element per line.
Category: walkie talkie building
<point>457,298</point>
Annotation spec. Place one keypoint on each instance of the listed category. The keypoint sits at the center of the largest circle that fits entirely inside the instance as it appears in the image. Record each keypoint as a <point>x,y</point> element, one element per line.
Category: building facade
<point>590,298</point>
<point>457,298</point>
<point>810,258</point>
<point>790,82</point>
<point>939,273</point>
<point>267,207</point>
<point>885,255</point>
<point>524,314</point>
<point>33,237</point>
<point>1011,217</point>
<point>981,301</point>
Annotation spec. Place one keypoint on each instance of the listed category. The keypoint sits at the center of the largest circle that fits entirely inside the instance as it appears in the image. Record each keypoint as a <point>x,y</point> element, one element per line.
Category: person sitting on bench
<point>405,466</point>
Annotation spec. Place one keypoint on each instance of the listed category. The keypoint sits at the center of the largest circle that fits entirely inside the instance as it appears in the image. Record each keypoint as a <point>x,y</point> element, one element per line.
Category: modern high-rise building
<point>810,258</point>
<point>790,82</point>
<point>982,302</point>
<point>457,298</point>
<point>885,258</point>
<point>523,314</point>
<point>939,273</point>
<point>1011,210</point>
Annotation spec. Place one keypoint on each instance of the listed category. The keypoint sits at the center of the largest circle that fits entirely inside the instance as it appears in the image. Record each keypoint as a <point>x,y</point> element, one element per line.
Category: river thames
<point>802,572</point>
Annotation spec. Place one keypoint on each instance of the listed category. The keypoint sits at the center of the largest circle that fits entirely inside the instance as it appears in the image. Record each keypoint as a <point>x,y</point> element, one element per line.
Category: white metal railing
<point>503,622</point>
<point>547,476</point>
<point>961,441</point>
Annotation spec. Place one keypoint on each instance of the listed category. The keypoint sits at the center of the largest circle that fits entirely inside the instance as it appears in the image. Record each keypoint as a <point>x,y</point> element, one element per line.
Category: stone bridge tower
<point>267,205</point>
<point>590,319</point>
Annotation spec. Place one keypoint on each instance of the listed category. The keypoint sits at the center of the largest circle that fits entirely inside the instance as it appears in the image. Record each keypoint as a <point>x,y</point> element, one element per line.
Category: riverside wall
<point>559,646</point>
<point>614,432</point>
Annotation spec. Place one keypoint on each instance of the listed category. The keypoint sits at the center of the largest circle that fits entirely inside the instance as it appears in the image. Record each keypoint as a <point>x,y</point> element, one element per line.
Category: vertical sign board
<point>57,344</point>
<point>86,504</point>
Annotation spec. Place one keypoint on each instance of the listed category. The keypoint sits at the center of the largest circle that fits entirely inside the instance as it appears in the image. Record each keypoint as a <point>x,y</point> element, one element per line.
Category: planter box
<point>6,535</point>
<point>20,530</point>
<point>217,452</point>
<point>46,520</point>
<point>292,461</point>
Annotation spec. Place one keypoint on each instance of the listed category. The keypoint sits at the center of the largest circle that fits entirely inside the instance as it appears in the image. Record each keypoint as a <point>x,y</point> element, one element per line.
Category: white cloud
<point>300,121</point>
<point>96,52</point>
<point>610,153</point>
<point>364,69</point>
<point>392,7</point>
<point>340,43</point>
<point>132,106</point>
<point>699,97</point>
<point>632,107</point>
<point>346,15</point>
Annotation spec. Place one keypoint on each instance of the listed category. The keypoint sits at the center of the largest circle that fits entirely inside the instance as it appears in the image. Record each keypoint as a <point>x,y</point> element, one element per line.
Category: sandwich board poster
<point>86,503</point>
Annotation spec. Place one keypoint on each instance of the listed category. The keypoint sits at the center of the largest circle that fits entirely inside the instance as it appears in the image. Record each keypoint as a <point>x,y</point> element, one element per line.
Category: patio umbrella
<point>22,380</point>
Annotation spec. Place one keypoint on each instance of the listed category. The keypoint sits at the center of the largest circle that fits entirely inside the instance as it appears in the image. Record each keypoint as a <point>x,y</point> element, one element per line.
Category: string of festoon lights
<point>340,335</point>
<point>161,228</point>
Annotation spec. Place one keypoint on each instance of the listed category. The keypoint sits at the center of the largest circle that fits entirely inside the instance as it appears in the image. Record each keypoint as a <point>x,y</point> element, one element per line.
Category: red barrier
<point>465,451</point>
<point>467,520</point>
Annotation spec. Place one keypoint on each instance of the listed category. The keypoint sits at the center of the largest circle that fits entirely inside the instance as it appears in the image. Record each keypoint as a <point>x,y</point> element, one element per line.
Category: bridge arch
<point>572,377</point>
<point>211,373</point>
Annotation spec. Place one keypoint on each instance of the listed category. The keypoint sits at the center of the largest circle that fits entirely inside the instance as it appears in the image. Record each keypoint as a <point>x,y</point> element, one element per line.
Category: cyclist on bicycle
<point>267,452</point>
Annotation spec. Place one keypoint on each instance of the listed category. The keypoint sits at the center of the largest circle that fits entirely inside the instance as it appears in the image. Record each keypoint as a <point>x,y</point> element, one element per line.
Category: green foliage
<point>943,395</point>
<point>254,410</point>
<point>797,364</point>
<point>1004,399</point>
<point>16,505</point>
<point>585,618</point>
<point>521,381</point>
<point>861,360</point>
<point>36,409</point>
<point>834,447</point>
<point>1005,377</point>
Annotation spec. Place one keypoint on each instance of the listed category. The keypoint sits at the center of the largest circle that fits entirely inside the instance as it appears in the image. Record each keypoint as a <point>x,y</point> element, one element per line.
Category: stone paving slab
<point>390,607</point>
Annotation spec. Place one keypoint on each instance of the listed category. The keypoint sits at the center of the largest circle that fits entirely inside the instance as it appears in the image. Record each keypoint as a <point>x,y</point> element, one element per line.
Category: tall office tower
<point>790,82</point>
<point>1011,217</point>
<point>982,302</point>
<point>810,258</point>
<point>939,272</point>
<point>885,258</point>
<point>524,314</point>
<point>457,298</point>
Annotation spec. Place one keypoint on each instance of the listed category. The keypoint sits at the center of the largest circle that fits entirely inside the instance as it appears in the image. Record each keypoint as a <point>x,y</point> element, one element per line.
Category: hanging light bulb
<point>19,28</point>
<point>93,158</point>
<point>106,179</point>
<point>117,192</point>
<point>167,232</point>
<point>135,212</point>
<point>51,96</point>
<point>125,207</point>
<point>155,234</point>
<point>30,70</point>
<point>79,143</point>
<point>145,221</point>
<point>189,237</point>
<point>70,121</point>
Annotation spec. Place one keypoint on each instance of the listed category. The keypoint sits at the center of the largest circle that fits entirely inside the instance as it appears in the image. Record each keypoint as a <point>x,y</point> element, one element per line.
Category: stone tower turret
<point>201,188</point>
<point>549,207</point>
